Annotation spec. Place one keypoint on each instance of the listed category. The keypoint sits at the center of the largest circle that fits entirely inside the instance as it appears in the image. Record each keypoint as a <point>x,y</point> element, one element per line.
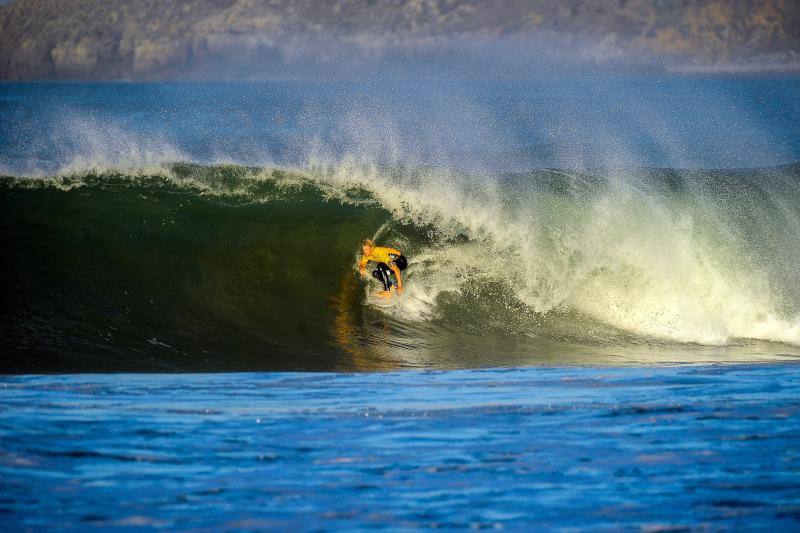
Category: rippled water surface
<point>700,447</point>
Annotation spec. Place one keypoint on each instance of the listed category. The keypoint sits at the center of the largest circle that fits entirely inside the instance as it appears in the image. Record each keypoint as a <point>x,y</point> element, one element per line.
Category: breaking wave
<point>190,266</point>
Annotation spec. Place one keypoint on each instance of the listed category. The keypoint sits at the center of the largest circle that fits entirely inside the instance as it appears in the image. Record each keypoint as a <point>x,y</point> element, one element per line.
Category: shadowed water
<point>692,447</point>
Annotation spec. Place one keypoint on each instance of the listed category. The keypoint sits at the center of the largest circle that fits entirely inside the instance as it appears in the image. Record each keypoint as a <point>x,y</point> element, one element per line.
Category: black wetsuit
<point>384,274</point>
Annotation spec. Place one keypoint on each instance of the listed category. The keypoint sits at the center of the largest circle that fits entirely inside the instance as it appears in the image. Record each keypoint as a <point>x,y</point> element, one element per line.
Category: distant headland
<point>262,39</point>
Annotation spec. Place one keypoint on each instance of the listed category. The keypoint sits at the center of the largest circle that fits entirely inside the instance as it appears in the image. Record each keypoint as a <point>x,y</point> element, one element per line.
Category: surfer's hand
<point>362,272</point>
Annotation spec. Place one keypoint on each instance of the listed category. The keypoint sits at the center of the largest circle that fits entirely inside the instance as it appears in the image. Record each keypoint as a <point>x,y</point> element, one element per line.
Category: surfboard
<point>375,287</point>
<point>374,299</point>
<point>379,301</point>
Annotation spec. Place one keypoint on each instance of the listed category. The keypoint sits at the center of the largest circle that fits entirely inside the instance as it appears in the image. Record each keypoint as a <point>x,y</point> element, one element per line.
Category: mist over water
<point>588,219</point>
<point>561,122</point>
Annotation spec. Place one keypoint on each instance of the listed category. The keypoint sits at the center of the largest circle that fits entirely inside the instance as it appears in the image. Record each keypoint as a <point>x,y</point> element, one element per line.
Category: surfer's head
<point>367,245</point>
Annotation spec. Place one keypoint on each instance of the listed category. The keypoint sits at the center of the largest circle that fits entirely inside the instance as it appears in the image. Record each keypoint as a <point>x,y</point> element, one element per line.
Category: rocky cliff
<point>146,39</point>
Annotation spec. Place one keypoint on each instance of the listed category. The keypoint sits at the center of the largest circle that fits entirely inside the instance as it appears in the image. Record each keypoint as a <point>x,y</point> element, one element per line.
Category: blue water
<point>667,448</point>
<point>131,245</point>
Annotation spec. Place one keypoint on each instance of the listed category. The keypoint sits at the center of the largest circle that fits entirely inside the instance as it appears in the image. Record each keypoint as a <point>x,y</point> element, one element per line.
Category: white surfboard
<point>381,301</point>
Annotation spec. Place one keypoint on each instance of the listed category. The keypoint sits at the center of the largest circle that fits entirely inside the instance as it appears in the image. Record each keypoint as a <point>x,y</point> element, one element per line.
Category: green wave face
<point>226,267</point>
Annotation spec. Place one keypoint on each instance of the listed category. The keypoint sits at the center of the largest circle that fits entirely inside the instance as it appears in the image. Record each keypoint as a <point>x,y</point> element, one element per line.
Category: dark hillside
<point>112,39</point>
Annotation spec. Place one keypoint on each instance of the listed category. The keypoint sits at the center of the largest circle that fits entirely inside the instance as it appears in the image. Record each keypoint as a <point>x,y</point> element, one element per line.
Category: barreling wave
<point>198,267</point>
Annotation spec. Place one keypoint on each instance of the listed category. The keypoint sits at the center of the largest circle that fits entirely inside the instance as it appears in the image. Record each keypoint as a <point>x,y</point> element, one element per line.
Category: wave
<point>191,266</point>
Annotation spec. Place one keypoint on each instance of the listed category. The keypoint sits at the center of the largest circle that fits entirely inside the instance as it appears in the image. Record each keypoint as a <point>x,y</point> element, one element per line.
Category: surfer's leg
<point>381,273</point>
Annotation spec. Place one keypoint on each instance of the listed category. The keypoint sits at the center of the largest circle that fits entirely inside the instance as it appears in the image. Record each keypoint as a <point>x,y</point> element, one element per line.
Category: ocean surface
<point>600,328</point>
<point>651,449</point>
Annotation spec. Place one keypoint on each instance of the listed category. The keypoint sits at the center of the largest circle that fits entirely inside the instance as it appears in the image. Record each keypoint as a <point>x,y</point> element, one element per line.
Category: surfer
<point>388,261</point>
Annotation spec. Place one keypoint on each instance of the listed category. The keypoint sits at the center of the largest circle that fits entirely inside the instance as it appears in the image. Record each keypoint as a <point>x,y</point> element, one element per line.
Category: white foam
<point>628,257</point>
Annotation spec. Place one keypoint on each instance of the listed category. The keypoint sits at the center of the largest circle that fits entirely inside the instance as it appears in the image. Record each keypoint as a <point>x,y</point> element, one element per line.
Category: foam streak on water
<point>687,447</point>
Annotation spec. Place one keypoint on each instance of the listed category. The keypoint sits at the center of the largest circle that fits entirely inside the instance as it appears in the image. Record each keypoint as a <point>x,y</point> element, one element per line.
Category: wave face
<point>193,267</point>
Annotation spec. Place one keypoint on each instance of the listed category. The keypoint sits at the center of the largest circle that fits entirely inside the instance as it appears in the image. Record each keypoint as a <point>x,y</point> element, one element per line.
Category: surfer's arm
<point>397,275</point>
<point>362,265</point>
